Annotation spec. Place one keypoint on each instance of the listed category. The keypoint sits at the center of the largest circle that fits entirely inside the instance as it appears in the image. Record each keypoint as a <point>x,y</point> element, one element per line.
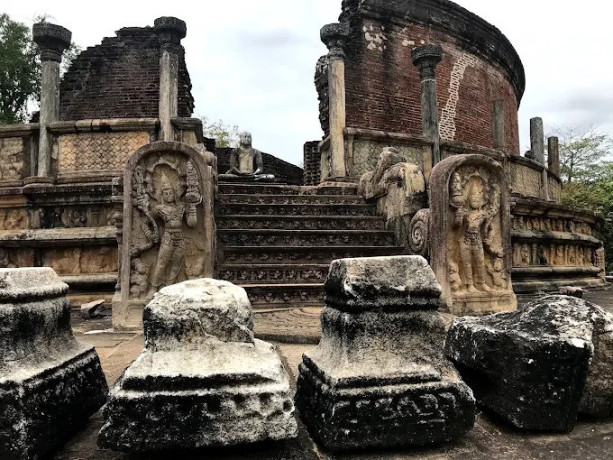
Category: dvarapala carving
<point>165,218</point>
<point>471,239</point>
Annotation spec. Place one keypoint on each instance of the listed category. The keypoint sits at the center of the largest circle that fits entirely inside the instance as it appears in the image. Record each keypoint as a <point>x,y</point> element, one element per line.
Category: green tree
<point>582,152</point>
<point>19,70</point>
<point>225,135</point>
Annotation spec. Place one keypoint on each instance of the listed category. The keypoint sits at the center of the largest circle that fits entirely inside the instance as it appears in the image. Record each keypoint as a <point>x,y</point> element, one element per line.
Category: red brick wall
<point>120,79</point>
<point>383,86</point>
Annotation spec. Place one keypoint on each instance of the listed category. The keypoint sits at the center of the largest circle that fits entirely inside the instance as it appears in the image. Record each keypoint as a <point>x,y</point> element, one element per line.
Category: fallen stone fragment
<point>50,383</point>
<point>93,309</point>
<point>540,367</point>
<point>378,378</point>
<point>202,379</point>
<point>572,291</point>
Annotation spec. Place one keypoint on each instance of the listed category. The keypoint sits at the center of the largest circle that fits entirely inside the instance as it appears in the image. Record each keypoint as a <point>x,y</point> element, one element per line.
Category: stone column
<point>499,132</point>
<point>170,31</point>
<point>335,37</point>
<point>426,58</point>
<point>537,140</point>
<point>553,155</point>
<point>52,41</point>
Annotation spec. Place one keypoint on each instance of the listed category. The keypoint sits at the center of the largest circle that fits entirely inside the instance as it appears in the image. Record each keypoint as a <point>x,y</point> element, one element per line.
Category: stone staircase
<point>277,241</point>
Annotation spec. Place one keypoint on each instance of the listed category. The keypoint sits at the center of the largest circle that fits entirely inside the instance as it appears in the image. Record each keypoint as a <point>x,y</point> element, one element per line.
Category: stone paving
<point>490,438</point>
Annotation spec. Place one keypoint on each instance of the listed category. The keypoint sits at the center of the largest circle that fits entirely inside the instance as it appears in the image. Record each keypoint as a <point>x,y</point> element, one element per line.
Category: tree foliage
<point>225,135</point>
<point>19,70</point>
<point>589,180</point>
<point>581,152</point>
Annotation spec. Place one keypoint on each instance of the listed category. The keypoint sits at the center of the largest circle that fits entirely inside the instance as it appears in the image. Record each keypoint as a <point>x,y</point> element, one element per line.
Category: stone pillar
<point>170,31</point>
<point>499,132</point>
<point>553,155</point>
<point>52,40</point>
<point>426,58</point>
<point>537,140</point>
<point>537,147</point>
<point>335,37</point>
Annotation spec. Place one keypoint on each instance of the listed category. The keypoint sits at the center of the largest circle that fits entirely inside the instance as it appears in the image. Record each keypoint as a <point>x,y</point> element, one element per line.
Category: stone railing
<point>527,179</point>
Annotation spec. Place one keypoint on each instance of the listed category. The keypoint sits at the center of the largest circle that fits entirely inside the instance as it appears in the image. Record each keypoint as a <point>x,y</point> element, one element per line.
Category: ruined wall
<point>383,86</point>
<point>120,79</point>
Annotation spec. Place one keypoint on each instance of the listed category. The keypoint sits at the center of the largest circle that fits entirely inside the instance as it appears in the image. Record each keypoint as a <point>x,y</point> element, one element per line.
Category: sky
<point>252,62</point>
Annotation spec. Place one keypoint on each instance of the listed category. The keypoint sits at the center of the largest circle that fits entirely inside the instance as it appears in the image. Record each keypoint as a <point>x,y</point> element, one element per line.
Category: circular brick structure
<point>479,67</point>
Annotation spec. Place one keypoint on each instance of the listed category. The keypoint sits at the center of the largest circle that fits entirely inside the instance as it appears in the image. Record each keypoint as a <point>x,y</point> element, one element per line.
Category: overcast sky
<point>252,62</point>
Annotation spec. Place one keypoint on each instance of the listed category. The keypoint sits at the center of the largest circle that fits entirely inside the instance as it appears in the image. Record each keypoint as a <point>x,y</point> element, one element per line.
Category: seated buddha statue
<point>246,164</point>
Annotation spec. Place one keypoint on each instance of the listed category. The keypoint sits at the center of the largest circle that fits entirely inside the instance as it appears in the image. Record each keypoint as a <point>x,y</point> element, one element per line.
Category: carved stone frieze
<point>274,274</point>
<point>296,210</point>
<point>75,216</point>
<point>300,224</point>
<point>94,152</point>
<point>12,155</point>
<point>471,240</point>
<point>13,219</point>
<point>526,181</point>
<point>240,238</point>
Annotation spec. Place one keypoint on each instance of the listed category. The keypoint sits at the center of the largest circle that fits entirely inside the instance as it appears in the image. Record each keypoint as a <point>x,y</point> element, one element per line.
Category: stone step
<point>274,273</point>
<point>300,254</point>
<point>305,237</point>
<point>277,296</point>
<point>289,199</point>
<point>301,222</point>
<point>236,209</point>
<point>272,189</point>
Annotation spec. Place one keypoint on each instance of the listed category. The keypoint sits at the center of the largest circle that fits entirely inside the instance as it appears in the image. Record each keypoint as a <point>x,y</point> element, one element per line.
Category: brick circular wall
<point>479,66</point>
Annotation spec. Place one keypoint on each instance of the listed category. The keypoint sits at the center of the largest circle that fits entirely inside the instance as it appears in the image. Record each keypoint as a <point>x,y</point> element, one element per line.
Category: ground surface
<point>489,439</point>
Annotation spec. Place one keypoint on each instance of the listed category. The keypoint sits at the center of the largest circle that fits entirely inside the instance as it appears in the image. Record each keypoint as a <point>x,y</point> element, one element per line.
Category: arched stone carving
<point>168,226</point>
<point>471,241</point>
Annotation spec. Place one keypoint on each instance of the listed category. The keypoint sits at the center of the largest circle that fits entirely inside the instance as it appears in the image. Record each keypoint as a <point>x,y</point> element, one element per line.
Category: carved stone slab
<point>168,226</point>
<point>470,235</point>
<point>202,379</point>
<point>378,378</point>
<point>50,383</point>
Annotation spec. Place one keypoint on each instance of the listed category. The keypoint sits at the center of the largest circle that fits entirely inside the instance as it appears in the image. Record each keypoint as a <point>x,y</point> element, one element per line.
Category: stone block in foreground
<point>378,378</point>
<point>50,383</point>
<point>202,379</point>
<point>540,367</point>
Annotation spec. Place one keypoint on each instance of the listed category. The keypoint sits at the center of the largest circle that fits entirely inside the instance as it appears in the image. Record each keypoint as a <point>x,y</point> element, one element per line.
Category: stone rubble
<point>378,378</point>
<point>50,383</point>
<point>202,379</point>
<point>540,367</point>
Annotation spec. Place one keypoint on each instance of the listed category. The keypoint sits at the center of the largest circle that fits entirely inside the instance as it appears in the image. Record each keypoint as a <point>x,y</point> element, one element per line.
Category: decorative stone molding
<point>52,39</point>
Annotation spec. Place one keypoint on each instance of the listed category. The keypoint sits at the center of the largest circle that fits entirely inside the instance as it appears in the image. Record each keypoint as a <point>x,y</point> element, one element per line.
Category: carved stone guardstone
<point>168,225</point>
<point>202,379</point>
<point>50,383</point>
<point>470,235</point>
<point>378,378</point>
<point>540,367</point>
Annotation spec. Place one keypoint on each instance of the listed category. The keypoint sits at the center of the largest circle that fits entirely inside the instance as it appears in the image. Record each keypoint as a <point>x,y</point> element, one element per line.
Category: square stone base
<point>40,410</point>
<point>128,314</point>
<point>380,414</point>
<point>139,421</point>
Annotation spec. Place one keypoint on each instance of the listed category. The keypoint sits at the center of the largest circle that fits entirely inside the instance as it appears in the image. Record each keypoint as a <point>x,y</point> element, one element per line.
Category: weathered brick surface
<point>383,87</point>
<point>120,79</point>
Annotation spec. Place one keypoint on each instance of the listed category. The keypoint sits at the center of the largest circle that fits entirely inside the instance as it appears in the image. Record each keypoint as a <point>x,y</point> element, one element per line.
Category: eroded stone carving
<point>378,378</point>
<point>470,241</point>
<point>50,383</point>
<point>167,223</point>
<point>246,163</point>
<point>202,373</point>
